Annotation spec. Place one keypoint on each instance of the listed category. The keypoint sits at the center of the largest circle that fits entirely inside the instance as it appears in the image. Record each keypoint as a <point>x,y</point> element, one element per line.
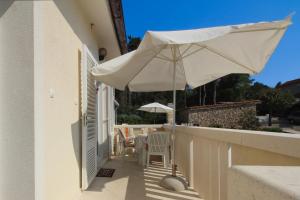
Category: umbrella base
<point>173,183</point>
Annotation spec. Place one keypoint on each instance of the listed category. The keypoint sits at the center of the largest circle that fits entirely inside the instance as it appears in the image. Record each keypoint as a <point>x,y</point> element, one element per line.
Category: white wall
<point>60,31</point>
<point>16,101</point>
<point>40,132</point>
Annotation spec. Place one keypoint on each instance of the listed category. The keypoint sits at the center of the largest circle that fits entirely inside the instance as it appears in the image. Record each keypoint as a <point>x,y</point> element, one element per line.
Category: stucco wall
<point>16,101</point>
<point>61,29</point>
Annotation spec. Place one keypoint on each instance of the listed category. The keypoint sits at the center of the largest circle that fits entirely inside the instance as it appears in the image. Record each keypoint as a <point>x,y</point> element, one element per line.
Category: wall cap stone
<point>225,105</point>
<point>281,143</point>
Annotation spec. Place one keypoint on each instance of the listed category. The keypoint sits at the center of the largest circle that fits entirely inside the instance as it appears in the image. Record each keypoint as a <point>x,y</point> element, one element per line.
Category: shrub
<point>129,119</point>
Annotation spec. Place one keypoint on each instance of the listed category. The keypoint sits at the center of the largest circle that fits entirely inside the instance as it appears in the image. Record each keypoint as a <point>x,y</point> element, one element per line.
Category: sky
<point>284,65</point>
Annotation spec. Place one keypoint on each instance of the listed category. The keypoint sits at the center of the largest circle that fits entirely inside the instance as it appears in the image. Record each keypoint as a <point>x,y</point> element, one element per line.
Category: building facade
<point>47,48</point>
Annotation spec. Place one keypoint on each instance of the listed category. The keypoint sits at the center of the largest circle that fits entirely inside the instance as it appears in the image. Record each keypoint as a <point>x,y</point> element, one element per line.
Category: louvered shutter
<point>89,119</point>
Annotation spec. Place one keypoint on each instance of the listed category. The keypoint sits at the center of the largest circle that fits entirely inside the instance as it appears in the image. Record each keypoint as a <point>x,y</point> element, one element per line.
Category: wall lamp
<point>102,53</point>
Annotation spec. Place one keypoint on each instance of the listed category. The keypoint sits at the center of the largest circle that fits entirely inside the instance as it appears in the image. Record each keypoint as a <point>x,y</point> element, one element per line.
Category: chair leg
<point>165,161</point>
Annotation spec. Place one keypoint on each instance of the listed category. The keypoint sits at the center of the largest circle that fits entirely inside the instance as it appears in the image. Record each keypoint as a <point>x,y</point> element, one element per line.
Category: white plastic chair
<point>158,144</point>
<point>140,142</point>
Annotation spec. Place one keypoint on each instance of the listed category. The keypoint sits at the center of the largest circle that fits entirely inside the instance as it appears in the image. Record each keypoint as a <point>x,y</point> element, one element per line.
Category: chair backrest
<point>121,135</point>
<point>119,143</point>
<point>158,142</point>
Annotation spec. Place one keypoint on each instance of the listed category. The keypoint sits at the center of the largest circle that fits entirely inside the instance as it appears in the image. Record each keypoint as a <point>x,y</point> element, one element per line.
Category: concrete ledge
<point>264,182</point>
<point>281,143</point>
<point>139,126</point>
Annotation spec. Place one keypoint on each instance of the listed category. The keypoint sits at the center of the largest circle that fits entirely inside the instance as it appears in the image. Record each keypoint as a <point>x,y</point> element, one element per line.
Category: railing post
<point>191,161</point>
<point>229,153</point>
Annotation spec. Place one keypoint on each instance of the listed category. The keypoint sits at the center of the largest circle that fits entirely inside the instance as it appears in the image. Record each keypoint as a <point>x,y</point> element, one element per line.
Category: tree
<point>200,96</point>
<point>257,91</point>
<point>276,102</point>
<point>204,95</point>
<point>133,43</point>
<point>278,84</point>
<point>185,96</point>
<point>233,87</point>
<point>216,82</point>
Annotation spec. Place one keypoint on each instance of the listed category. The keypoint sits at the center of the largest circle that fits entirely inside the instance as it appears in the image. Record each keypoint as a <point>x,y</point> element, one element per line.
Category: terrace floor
<point>132,182</point>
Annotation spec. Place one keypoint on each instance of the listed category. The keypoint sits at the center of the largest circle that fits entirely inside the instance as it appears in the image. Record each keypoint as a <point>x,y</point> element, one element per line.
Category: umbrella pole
<point>173,182</point>
<point>174,119</point>
<point>155,115</point>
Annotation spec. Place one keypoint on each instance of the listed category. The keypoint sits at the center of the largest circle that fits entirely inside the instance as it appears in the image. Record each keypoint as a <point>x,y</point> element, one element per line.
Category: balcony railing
<point>223,164</point>
<point>239,164</point>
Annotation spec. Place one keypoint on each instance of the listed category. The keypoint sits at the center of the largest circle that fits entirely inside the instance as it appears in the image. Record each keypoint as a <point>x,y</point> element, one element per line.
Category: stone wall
<point>226,115</point>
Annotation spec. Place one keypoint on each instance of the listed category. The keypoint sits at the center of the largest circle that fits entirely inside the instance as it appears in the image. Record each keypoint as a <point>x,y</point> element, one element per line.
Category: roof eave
<point>119,25</point>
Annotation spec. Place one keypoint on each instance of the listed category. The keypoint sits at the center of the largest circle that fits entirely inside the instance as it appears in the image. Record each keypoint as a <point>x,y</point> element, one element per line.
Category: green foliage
<point>129,119</point>
<point>248,120</point>
<point>275,101</point>
<point>131,115</point>
<point>272,129</point>
<point>257,91</point>
<point>133,43</point>
<point>297,95</point>
<point>233,87</point>
<point>278,84</point>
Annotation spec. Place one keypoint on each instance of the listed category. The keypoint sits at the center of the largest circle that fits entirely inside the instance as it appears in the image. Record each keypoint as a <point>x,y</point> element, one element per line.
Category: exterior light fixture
<point>102,53</point>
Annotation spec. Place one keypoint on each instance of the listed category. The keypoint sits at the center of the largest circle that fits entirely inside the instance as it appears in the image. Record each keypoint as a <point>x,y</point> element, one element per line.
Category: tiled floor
<point>132,182</point>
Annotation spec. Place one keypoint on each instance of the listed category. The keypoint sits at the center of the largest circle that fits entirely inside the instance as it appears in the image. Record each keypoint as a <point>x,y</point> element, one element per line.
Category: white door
<point>102,132</point>
<point>105,121</point>
<point>89,119</point>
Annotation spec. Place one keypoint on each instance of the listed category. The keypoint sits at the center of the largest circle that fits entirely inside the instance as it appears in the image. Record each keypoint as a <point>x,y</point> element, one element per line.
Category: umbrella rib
<point>186,49</point>
<point>228,58</point>
<point>263,29</point>
<point>163,58</point>
<point>193,52</point>
<point>162,55</point>
<point>156,53</point>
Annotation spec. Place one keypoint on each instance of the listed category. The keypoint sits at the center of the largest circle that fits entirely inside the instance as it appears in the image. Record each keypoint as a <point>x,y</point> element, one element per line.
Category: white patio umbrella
<point>155,108</point>
<point>169,60</point>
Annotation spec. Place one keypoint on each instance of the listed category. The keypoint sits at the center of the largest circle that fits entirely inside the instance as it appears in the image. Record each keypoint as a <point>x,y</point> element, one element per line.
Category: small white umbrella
<point>156,108</point>
<point>169,60</point>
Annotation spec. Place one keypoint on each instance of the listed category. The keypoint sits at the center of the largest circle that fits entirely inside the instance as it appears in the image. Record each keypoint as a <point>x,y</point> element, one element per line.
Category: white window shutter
<point>89,119</point>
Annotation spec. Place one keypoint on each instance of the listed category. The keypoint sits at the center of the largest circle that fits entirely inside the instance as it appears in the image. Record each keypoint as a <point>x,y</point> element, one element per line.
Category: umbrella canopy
<point>198,56</point>
<point>156,108</point>
<point>170,60</point>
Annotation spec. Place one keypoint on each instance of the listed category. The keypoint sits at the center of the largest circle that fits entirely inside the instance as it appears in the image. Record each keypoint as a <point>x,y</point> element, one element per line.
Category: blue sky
<point>284,65</point>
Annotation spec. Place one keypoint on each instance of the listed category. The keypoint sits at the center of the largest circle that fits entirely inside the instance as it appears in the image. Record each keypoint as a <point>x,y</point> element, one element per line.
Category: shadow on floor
<point>132,182</point>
